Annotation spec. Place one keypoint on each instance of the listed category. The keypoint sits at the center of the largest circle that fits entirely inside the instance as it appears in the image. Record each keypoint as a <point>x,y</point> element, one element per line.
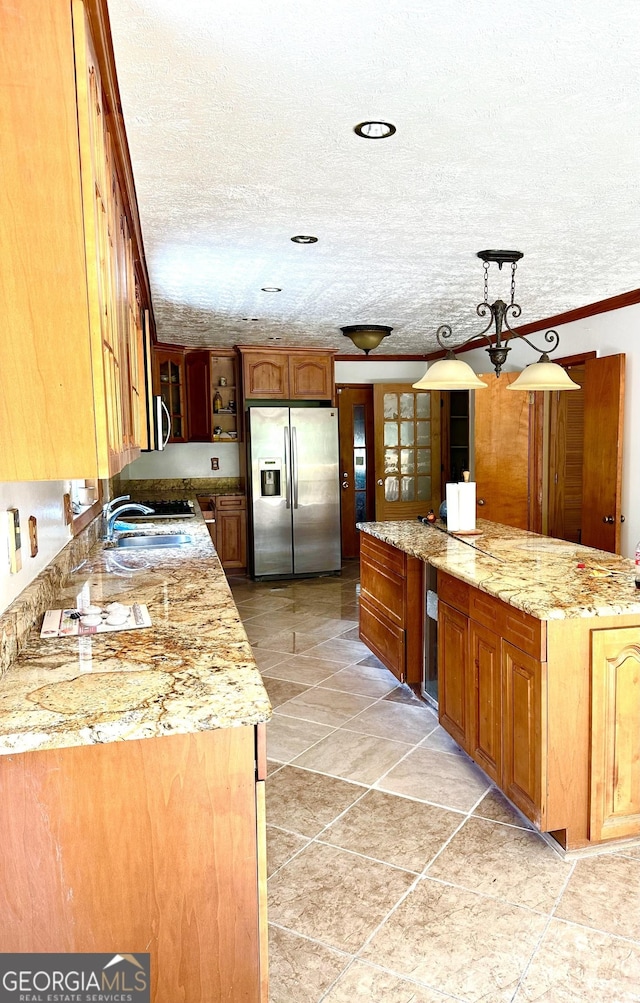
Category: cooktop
<point>167,510</point>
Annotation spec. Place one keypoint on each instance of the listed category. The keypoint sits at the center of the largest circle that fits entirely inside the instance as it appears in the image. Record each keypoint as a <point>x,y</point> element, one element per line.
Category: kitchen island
<point>538,659</point>
<point>133,767</point>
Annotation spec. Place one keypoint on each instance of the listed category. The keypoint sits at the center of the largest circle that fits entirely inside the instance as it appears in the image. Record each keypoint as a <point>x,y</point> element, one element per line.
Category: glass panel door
<point>407,425</point>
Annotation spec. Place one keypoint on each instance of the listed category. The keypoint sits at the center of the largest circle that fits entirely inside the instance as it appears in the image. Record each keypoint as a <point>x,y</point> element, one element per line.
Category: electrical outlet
<point>33,535</point>
<point>15,541</point>
<point>215,463</point>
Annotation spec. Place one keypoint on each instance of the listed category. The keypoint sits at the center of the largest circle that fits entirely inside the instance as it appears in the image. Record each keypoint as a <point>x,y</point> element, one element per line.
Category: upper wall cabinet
<point>287,374</point>
<point>169,380</point>
<point>71,396</point>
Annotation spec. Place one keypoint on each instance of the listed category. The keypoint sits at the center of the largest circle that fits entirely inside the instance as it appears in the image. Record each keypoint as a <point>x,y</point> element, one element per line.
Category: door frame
<point>351,544</point>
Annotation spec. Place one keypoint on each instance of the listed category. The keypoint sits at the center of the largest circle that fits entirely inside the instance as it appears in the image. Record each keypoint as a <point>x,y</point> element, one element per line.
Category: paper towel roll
<point>467,506</point>
<point>453,516</point>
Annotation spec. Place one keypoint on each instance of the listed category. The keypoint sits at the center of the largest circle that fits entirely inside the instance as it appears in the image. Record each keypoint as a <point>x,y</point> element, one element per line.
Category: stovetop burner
<point>169,510</point>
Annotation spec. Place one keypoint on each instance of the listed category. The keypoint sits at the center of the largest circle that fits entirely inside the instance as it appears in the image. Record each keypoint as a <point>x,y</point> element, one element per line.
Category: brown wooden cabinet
<point>198,395</point>
<point>287,374</point>
<point>226,518</point>
<point>391,589</point>
<point>169,382</point>
<point>615,716</point>
<point>226,397</point>
<point>71,401</point>
<point>453,673</point>
<point>484,736</point>
<point>523,733</point>
<point>182,846</point>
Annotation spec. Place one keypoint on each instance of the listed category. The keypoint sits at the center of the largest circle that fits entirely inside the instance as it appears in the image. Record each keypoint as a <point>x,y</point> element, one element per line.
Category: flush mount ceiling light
<point>374,130</point>
<point>304,239</point>
<point>453,374</point>
<point>271,289</point>
<point>366,336</point>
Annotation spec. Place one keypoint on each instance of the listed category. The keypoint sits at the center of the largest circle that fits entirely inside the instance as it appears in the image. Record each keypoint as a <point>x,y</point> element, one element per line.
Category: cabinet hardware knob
<point>609,519</point>
<point>380,482</point>
<point>480,501</point>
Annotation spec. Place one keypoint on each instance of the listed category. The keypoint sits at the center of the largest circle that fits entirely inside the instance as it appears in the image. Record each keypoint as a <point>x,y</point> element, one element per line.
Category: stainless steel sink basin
<point>143,542</point>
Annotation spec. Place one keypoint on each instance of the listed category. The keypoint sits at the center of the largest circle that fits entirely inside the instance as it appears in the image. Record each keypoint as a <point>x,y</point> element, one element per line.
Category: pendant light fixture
<point>453,374</point>
<point>366,336</point>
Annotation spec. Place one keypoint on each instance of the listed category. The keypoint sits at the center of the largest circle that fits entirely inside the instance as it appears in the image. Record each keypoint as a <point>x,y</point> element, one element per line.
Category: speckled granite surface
<point>168,489</point>
<point>193,670</point>
<point>536,574</point>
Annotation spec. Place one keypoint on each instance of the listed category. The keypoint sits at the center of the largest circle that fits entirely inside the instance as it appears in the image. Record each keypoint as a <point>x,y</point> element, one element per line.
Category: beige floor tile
<point>371,660</point>
<point>458,942</point>
<point>305,802</point>
<point>575,965</point>
<point>388,719</point>
<point>441,741</point>
<point>273,766</point>
<point>300,971</point>
<point>281,690</point>
<point>260,604</point>
<point>291,642</point>
<point>450,781</point>
<point>281,847</point>
<point>604,893</point>
<point>335,897</point>
<point>352,756</point>
<point>630,851</point>
<point>393,829</point>
<point>362,679</point>
<point>323,705</point>
<point>362,982</point>
<point>404,694</point>
<point>351,633</point>
<point>342,652</point>
<point>495,806</point>
<point>266,659</point>
<point>302,669</point>
<point>512,864</point>
<point>287,737</point>
<point>326,626</point>
<point>275,620</point>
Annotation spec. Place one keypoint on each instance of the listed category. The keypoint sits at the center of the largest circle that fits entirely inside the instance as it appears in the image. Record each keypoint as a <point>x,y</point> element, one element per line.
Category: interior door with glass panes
<point>407,435</point>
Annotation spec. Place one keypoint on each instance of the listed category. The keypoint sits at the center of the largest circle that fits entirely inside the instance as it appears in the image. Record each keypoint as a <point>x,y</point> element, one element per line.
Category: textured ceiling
<point>517,126</point>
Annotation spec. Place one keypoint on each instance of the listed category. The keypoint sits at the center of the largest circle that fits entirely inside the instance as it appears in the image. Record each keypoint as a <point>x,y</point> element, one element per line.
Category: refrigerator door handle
<point>287,467</point>
<point>294,464</point>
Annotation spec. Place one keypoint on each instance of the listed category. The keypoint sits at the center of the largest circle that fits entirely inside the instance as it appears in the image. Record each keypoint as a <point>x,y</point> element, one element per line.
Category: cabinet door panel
<point>524,732</point>
<point>231,537</point>
<point>485,717</point>
<point>386,639</point>
<point>311,376</point>
<point>265,375</point>
<point>453,672</point>
<point>615,726</point>
<point>198,396</point>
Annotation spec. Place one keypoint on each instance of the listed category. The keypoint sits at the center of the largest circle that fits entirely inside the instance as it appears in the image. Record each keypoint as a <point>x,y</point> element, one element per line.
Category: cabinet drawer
<point>485,610</point>
<point>525,631</point>
<point>384,589</point>
<point>390,557</point>
<point>386,639</point>
<point>230,502</point>
<point>453,592</point>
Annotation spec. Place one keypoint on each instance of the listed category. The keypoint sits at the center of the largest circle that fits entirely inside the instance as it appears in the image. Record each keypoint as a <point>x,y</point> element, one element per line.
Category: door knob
<point>480,501</point>
<point>345,485</point>
<point>608,519</point>
<point>380,482</point>
<point>622,518</point>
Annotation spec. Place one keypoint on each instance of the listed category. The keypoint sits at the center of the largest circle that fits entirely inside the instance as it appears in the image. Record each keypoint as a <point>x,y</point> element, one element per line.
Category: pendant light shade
<point>449,374</point>
<point>366,336</point>
<point>543,375</point>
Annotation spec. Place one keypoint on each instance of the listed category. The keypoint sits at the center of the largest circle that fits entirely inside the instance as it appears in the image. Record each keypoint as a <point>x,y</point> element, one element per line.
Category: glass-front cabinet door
<point>407,435</point>
<point>169,383</point>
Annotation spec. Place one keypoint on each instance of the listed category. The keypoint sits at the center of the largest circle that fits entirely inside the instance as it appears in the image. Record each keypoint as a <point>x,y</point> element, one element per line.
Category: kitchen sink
<point>159,540</point>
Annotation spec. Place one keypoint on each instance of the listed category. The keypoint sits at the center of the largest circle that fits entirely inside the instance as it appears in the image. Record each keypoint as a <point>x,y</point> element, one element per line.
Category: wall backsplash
<point>185,459</point>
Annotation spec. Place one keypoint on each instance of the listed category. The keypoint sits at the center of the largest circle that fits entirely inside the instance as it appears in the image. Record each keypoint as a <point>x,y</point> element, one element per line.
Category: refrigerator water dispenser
<point>270,478</point>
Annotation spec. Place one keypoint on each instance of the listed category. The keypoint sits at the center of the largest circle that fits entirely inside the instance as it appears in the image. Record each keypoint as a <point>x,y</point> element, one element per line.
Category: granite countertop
<point>192,671</point>
<point>537,574</point>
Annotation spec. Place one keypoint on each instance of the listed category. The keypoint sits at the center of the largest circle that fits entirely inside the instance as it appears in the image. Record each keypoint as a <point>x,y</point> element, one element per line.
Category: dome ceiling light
<point>374,130</point>
<point>366,336</point>
<point>453,374</point>
<point>304,239</point>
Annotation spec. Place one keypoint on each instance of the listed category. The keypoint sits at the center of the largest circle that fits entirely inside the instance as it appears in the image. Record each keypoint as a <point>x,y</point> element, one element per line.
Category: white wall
<point>43,499</point>
<point>186,459</point>
<point>379,372</point>
<point>606,334</point>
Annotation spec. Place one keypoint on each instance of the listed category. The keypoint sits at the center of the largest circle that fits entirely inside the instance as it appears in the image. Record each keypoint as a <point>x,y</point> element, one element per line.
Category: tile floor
<point>398,873</point>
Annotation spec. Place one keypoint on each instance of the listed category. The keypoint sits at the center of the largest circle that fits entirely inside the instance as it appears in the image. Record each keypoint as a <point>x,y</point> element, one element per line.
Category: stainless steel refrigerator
<point>294,491</point>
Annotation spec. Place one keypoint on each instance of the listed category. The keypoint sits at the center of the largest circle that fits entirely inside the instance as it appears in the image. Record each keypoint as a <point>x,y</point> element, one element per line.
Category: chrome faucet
<point>114,514</point>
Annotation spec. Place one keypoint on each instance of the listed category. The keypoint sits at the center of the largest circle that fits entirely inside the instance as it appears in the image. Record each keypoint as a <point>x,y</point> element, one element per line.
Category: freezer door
<point>315,490</point>
<point>270,472</point>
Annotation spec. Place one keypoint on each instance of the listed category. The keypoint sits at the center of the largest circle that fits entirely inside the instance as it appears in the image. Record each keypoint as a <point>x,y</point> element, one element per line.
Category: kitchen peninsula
<point>133,766</point>
<point>539,664</point>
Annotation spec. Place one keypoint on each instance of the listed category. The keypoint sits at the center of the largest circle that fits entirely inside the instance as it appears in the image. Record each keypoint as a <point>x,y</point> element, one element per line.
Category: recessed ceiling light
<point>302,239</point>
<point>249,318</point>
<point>271,289</point>
<point>273,337</point>
<point>374,130</point>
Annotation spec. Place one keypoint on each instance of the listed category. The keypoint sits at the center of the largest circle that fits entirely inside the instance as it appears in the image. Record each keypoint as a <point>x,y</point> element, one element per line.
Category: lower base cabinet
<point>549,710</point>
<point>226,518</point>
<point>155,845</point>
